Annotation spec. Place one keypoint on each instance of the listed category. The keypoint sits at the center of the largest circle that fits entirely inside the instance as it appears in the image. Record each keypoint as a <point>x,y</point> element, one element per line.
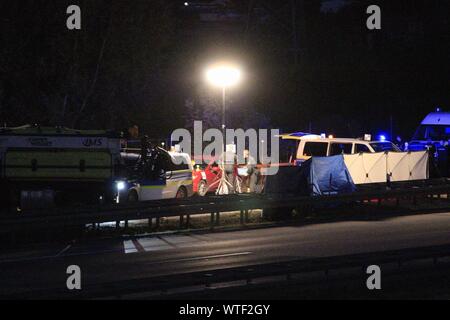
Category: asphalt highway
<point>104,260</point>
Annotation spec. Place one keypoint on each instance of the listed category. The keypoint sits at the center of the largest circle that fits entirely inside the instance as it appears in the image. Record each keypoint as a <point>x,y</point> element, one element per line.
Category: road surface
<point>107,260</point>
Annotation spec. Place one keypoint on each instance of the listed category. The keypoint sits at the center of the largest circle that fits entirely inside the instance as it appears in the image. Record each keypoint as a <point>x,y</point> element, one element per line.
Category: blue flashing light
<point>382,136</point>
<point>299,134</point>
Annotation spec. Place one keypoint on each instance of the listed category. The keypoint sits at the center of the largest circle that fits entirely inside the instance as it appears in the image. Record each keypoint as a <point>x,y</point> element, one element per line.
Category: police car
<point>161,175</point>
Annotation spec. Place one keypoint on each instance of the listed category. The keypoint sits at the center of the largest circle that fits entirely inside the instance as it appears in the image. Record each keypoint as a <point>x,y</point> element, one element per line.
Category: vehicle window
<point>432,132</point>
<point>384,146</point>
<point>361,148</point>
<point>152,170</point>
<point>288,149</point>
<point>315,149</point>
<point>182,165</point>
<point>340,148</point>
<point>154,167</point>
<point>163,161</point>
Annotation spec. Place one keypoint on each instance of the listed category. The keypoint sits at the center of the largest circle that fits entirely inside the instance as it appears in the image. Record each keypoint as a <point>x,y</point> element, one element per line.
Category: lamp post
<point>223,76</point>
<point>224,97</point>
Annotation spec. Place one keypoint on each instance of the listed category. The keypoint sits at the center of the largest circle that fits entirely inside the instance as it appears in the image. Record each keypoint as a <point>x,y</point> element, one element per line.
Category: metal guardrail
<point>161,284</point>
<point>213,205</point>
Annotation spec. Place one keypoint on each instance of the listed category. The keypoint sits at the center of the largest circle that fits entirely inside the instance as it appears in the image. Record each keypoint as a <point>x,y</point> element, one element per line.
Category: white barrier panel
<point>398,166</point>
<point>374,167</point>
<point>367,167</point>
<point>410,166</point>
<point>355,166</point>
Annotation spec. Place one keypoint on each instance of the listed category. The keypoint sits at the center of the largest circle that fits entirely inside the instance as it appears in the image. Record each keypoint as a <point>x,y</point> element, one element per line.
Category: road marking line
<point>153,244</point>
<point>166,241</point>
<point>64,250</point>
<point>138,245</point>
<point>160,243</point>
<point>129,246</point>
<point>226,255</point>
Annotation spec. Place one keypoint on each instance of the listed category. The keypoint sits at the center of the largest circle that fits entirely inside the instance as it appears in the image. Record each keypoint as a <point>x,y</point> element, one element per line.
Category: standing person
<point>400,144</point>
<point>228,162</point>
<point>252,171</point>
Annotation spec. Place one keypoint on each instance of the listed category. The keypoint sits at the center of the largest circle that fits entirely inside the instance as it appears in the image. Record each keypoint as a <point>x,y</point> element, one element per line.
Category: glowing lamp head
<point>120,185</point>
<point>382,138</point>
<point>223,76</point>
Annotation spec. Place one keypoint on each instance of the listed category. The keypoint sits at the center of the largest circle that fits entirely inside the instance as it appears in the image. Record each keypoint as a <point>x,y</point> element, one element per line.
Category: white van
<point>433,130</point>
<point>168,175</point>
<point>309,145</point>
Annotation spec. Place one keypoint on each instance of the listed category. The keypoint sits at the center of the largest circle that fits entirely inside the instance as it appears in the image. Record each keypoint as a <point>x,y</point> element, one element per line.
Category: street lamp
<point>223,76</point>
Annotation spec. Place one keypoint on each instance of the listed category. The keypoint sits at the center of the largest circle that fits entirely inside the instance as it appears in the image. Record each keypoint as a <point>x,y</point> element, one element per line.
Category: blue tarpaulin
<point>327,175</point>
<point>316,176</point>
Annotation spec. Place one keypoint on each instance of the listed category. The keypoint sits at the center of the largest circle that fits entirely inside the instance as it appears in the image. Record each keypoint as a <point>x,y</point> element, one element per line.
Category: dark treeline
<point>141,62</point>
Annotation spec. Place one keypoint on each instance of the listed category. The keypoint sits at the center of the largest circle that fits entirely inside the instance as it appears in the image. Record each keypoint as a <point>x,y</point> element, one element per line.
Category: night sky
<point>308,64</point>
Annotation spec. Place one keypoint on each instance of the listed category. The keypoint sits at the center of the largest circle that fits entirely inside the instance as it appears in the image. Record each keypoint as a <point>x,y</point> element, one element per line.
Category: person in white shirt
<point>251,177</point>
<point>228,162</point>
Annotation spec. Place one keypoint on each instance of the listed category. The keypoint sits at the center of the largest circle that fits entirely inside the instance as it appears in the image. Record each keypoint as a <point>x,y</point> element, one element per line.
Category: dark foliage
<point>140,62</point>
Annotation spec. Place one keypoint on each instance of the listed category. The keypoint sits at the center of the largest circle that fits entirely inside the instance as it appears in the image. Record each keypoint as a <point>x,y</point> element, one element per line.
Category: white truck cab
<point>310,145</point>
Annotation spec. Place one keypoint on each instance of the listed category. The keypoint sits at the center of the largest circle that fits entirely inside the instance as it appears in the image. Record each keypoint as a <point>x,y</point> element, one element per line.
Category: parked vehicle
<point>44,166</point>
<point>433,134</point>
<point>304,146</point>
<point>206,178</point>
<point>433,130</point>
<point>159,175</point>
